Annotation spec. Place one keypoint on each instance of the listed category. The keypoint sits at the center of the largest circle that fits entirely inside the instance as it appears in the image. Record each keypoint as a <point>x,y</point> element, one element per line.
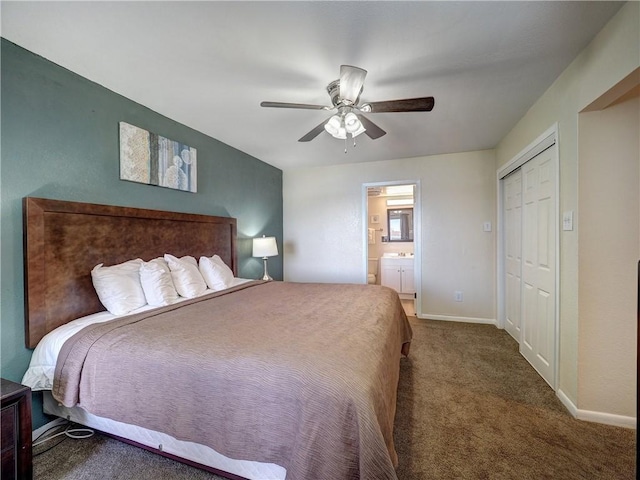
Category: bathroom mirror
<point>400,224</point>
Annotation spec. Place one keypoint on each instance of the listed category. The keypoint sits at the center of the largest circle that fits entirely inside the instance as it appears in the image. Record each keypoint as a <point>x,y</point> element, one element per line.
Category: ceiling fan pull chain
<point>345,145</point>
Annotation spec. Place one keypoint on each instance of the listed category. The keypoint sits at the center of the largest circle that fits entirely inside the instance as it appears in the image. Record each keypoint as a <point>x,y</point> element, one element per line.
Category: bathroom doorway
<point>392,239</point>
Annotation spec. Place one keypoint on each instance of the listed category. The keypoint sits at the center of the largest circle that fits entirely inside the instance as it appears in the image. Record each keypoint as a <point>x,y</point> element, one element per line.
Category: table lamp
<point>265,247</point>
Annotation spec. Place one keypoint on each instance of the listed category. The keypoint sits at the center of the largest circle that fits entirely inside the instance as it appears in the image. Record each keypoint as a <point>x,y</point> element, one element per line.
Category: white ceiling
<point>210,64</point>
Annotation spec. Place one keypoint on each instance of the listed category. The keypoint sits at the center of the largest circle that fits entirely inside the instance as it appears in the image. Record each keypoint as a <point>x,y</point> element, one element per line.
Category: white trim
<point>566,401</point>
<point>607,419</point>
<point>417,245</point>
<point>365,232</point>
<point>500,265</point>
<point>550,138</point>
<point>451,318</point>
<point>39,431</point>
<point>417,233</point>
<point>596,417</point>
<point>556,147</point>
<point>539,145</point>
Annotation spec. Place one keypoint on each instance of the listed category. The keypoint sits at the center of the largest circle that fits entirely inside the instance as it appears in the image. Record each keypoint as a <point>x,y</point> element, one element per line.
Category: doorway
<point>392,239</point>
<point>608,251</point>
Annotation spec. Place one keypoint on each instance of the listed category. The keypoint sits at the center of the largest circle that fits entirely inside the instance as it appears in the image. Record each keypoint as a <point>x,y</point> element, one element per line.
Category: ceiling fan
<point>345,97</point>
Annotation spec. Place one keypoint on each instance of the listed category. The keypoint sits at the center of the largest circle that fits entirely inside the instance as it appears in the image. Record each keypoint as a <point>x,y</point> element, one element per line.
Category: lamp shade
<point>265,247</point>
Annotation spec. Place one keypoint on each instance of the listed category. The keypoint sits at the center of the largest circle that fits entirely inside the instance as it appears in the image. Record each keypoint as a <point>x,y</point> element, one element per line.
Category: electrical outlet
<point>457,296</point>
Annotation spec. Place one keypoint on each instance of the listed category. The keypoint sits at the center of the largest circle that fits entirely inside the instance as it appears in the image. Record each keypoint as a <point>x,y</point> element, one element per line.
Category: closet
<point>529,249</point>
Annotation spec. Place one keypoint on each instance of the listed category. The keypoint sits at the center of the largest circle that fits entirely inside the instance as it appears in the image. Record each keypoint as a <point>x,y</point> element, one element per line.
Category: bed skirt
<point>167,445</point>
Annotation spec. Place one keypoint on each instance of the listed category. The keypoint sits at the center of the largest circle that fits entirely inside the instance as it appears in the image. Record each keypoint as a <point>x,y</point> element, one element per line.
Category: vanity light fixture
<point>265,247</point>
<point>394,202</point>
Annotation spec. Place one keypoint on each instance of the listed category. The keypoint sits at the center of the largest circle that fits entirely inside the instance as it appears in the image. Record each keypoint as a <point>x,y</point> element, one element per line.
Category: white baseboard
<point>568,404</point>
<point>39,431</point>
<point>596,417</point>
<point>451,318</point>
<point>607,418</point>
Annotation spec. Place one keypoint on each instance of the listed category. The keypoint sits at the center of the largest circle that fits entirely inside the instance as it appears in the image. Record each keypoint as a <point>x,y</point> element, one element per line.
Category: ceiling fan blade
<point>421,104</point>
<point>294,105</point>
<point>351,82</point>
<point>372,130</point>
<point>313,133</point>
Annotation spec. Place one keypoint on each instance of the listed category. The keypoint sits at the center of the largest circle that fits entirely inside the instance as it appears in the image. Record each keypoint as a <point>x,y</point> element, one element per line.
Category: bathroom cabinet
<point>397,273</point>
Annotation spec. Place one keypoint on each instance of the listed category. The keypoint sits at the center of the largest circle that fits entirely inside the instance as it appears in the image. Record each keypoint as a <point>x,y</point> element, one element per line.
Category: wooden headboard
<point>63,241</point>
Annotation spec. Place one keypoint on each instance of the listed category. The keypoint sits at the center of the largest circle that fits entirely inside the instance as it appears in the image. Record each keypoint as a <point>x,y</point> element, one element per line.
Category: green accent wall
<point>60,140</point>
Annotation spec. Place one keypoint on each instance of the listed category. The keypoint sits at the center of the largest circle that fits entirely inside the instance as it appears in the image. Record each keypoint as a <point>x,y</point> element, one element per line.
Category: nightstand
<point>16,431</point>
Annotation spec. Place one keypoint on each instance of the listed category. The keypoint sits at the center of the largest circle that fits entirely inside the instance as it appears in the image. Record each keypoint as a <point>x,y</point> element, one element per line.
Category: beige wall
<point>609,249</point>
<point>611,56</point>
<point>324,227</point>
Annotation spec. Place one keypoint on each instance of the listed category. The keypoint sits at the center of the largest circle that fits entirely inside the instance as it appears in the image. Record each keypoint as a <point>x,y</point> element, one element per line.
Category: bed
<point>257,380</point>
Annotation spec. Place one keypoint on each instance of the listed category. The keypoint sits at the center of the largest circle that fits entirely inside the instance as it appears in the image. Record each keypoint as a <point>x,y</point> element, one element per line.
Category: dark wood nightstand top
<point>10,390</point>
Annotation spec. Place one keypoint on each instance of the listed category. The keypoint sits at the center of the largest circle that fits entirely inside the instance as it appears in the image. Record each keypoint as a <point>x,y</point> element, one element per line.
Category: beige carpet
<point>469,407</point>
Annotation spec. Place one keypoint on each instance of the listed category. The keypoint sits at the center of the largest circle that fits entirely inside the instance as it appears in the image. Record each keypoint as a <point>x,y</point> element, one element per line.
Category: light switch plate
<point>486,227</point>
<point>567,221</point>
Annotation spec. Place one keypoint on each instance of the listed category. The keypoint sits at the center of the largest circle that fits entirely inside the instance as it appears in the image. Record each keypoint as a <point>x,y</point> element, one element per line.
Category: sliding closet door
<point>538,337</point>
<point>513,251</point>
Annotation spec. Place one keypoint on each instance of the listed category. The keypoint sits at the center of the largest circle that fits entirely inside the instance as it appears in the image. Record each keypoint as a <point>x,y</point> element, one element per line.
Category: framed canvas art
<point>149,158</point>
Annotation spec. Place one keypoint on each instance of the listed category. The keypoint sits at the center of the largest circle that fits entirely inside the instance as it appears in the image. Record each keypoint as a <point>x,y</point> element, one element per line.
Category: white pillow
<point>186,276</point>
<point>118,286</point>
<point>219,261</point>
<point>216,273</point>
<point>157,283</point>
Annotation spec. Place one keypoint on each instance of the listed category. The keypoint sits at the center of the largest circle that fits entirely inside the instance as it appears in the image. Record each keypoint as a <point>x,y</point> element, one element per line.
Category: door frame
<point>549,139</point>
<point>417,233</point>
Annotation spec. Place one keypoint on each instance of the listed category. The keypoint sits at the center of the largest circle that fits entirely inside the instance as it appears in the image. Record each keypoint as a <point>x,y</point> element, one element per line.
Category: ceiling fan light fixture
<point>357,132</point>
<point>353,125</point>
<point>351,121</point>
<point>335,127</point>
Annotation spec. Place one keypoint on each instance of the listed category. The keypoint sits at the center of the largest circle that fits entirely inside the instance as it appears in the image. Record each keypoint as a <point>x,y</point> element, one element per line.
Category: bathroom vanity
<point>397,272</point>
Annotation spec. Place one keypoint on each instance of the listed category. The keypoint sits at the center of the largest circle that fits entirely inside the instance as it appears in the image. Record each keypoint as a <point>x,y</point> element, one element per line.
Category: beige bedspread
<point>301,375</point>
